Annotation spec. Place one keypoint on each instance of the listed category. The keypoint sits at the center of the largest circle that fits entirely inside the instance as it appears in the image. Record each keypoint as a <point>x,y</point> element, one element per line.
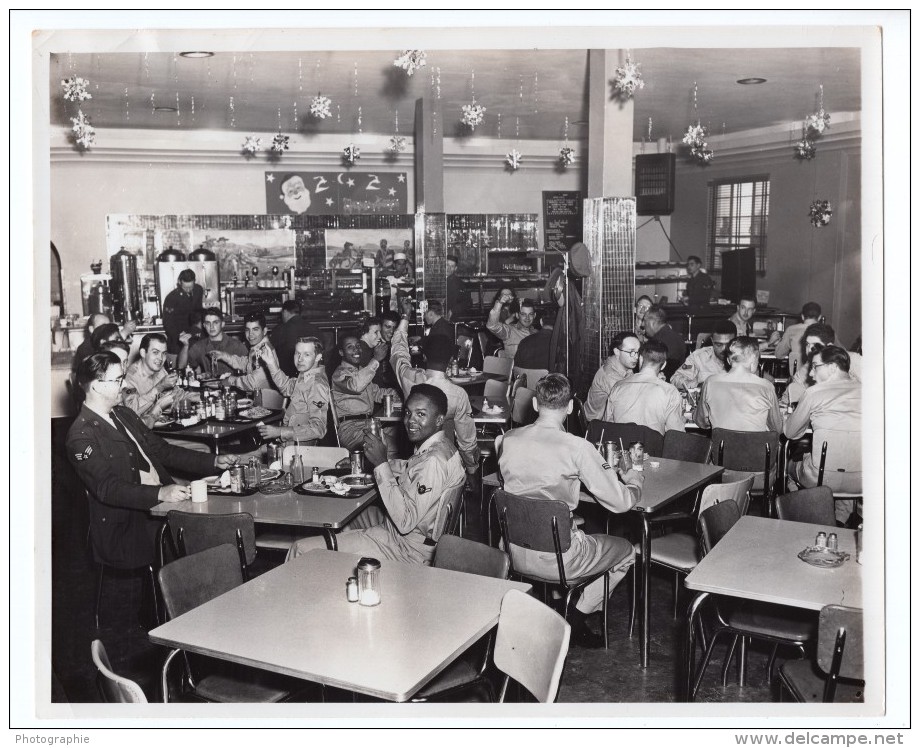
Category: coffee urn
<point>126,291</point>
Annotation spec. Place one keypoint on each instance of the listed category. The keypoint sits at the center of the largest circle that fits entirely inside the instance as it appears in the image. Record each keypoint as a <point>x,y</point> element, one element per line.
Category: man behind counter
<point>184,299</point>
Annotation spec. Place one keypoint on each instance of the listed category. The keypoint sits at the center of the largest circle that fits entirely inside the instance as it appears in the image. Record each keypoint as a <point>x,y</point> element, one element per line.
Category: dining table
<point>328,513</point>
<point>663,485</point>
<point>470,381</point>
<point>212,431</point>
<point>295,620</point>
<point>758,559</point>
<point>499,412</point>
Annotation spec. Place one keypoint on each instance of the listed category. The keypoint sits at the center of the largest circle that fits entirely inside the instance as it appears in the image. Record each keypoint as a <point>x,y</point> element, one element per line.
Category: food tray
<point>311,489</point>
<point>220,491</point>
<point>823,558</point>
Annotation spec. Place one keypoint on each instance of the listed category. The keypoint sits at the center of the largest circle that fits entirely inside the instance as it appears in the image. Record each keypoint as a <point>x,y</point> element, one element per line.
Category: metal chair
<point>776,624</point>
<point>578,422</point>
<point>600,431</point>
<point>191,533</point>
<point>458,554</point>
<point>494,388</point>
<point>546,526</point>
<point>531,376</point>
<point>679,445</point>
<point>522,410</point>
<point>754,452</point>
<point>496,365</point>
<point>192,581</point>
<point>812,505</point>
<point>839,658</point>
<point>822,465</point>
<point>114,689</point>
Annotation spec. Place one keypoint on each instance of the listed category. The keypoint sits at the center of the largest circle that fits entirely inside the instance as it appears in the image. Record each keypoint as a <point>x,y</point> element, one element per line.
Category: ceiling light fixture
<point>196,55</point>
<point>751,81</point>
<point>165,109</point>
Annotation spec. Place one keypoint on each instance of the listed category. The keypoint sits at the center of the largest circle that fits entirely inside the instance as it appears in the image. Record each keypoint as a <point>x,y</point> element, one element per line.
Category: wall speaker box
<point>655,184</point>
<point>739,274</point>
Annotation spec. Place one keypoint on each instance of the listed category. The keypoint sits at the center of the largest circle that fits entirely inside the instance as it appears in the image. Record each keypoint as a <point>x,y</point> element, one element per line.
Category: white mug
<point>199,491</point>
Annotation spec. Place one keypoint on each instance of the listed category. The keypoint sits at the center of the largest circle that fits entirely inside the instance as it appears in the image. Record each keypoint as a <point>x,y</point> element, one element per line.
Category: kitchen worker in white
<point>414,491</point>
<point>542,461</point>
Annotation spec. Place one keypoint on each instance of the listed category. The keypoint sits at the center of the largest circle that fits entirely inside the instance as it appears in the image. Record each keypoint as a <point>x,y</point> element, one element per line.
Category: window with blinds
<point>738,210</point>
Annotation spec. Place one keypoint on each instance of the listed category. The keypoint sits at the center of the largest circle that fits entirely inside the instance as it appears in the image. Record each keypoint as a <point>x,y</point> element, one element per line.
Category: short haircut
<point>150,337</point>
<point>102,333</point>
<point>368,324</point>
<point>292,306</point>
<point>553,392</point>
<point>353,335</point>
<point>318,347</point>
<point>656,312</point>
<point>834,354</point>
<point>453,259</point>
<point>747,298</point>
<point>527,302</point>
<point>212,311</point>
<point>391,316</point>
<point>618,340</point>
<point>434,305</point>
<point>725,327</point>
<point>255,317</point>
<point>548,318</point>
<point>819,330</point>
<point>438,350</point>
<point>435,396</point>
<point>811,310</point>
<point>113,345</point>
<point>694,258</point>
<point>644,298</point>
<point>93,368</point>
<point>187,276</point>
<point>99,318</point>
<point>743,348</point>
<point>654,351</point>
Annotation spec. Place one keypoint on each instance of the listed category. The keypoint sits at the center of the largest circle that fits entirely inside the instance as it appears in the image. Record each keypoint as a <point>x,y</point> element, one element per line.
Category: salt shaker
<point>821,540</point>
<point>832,542</point>
<point>351,589</point>
<point>369,582</point>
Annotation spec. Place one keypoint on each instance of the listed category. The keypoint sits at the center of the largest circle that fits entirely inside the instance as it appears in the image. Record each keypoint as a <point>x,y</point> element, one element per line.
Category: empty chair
<point>494,388</point>
<point>754,452</point>
<point>114,688</point>
<point>496,365</point>
<point>578,422</point>
<point>517,380</point>
<point>775,624</point>
<point>191,532</point>
<point>531,376</point>
<point>522,410</point>
<point>843,487</point>
<point>192,581</point>
<point>629,432</point>
<point>680,445</point>
<point>812,505</point>
<point>836,673</point>
<point>469,557</point>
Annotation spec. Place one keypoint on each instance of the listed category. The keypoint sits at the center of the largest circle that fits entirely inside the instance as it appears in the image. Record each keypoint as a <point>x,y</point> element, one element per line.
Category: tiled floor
<point>593,675</point>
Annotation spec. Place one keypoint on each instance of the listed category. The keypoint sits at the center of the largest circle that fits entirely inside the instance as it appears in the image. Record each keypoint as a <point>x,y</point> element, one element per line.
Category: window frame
<point>715,247</point>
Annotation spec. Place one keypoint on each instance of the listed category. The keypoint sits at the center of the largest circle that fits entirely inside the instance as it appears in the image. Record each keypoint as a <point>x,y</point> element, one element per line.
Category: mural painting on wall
<point>345,248</point>
<point>239,250</point>
<point>335,192</point>
<point>146,242</point>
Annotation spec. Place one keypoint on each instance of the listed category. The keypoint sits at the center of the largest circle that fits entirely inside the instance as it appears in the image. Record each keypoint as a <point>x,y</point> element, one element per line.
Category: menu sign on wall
<point>561,220</point>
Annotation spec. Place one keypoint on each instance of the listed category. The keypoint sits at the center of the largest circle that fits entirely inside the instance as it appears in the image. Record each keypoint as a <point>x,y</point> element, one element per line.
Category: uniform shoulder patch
<point>85,454</point>
<point>422,488</point>
<point>319,403</point>
<point>607,466</point>
<point>687,366</point>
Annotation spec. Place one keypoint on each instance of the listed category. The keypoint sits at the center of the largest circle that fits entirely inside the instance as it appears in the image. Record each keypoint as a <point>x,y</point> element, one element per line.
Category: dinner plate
<point>461,379</point>
<point>269,475</point>
<point>320,489</point>
<point>164,422</point>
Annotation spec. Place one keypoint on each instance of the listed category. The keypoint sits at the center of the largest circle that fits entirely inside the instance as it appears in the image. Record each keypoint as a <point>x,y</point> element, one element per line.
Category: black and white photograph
<point>513,379</point>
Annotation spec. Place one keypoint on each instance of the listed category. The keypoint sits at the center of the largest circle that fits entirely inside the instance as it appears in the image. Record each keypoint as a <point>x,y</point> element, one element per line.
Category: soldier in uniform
<point>645,398</point>
<point>458,424</point>
<point>307,413</point>
<point>621,362</point>
<point>124,467</point>
<point>414,491</point>
<point>253,375</point>
<point>148,389</point>
<point>706,361</point>
<point>542,461</point>
<point>205,355</point>
<point>511,335</point>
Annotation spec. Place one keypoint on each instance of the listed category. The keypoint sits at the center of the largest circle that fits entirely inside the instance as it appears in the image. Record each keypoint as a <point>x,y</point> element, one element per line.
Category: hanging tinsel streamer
<point>695,137</point>
<point>397,142</point>
<point>513,157</point>
<point>818,122</point>
<point>566,153</point>
<point>127,106</point>
<point>473,113</point>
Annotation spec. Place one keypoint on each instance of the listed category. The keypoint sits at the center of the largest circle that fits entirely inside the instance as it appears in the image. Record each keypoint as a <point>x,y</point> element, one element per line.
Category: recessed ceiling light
<point>165,109</point>
<point>751,81</point>
<point>196,55</point>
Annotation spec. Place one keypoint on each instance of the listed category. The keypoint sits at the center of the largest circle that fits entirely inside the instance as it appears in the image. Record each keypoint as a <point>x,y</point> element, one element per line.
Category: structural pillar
<point>610,129</point>
<point>430,220</point>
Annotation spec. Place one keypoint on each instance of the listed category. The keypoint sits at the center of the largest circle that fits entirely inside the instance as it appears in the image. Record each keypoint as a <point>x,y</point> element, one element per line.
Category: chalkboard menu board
<point>561,220</point>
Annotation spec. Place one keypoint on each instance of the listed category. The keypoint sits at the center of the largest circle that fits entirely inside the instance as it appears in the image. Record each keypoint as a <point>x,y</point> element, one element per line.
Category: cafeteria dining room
<point>372,368</point>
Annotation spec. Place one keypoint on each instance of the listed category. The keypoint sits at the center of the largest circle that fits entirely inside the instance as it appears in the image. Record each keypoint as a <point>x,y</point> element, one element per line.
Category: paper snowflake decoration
<point>805,150</point>
<point>320,107</point>
<point>252,145</point>
<point>351,153</point>
<point>818,122</point>
<point>627,79</point>
<point>566,156</point>
<point>411,60</point>
<point>820,213</point>
<point>397,144</point>
<point>513,159</point>
<point>472,114</point>
<point>702,154</point>
<point>281,143</point>
<point>75,89</point>
<point>84,132</point>
<point>695,136</point>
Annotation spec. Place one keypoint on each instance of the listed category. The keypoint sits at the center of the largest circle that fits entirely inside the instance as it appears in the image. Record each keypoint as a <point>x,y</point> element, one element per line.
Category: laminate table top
<point>295,620</point>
